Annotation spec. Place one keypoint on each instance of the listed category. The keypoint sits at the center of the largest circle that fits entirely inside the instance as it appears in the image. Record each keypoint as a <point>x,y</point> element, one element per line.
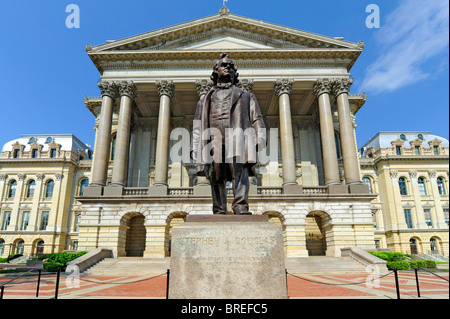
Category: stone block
<point>202,190</point>
<point>292,189</point>
<point>337,189</point>
<point>358,189</point>
<point>93,191</point>
<point>227,260</point>
<point>158,191</point>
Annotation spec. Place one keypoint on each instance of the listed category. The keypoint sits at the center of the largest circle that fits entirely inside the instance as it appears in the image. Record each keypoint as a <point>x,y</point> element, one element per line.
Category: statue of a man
<point>228,131</point>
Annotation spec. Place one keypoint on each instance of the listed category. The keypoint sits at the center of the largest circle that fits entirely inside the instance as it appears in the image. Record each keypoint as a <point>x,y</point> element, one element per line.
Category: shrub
<point>430,264</point>
<point>52,266</point>
<point>400,265</point>
<point>55,260</point>
<point>388,256</point>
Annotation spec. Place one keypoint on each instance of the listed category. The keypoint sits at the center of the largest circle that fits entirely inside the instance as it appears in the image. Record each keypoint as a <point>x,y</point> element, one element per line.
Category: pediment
<point>236,32</point>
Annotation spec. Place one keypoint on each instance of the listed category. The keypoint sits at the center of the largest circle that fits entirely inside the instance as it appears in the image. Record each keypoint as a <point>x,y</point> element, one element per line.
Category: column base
<point>113,191</point>
<point>292,189</point>
<point>93,191</point>
<point>358,188</point>
<point>157,190</point>
<point>336,189</point>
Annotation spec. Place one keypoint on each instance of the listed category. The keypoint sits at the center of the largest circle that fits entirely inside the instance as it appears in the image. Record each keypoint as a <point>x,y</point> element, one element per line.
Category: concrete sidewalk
<point>333,286</point>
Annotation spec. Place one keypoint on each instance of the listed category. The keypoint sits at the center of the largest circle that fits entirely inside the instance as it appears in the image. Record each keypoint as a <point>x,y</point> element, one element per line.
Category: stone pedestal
<point>227,257</point>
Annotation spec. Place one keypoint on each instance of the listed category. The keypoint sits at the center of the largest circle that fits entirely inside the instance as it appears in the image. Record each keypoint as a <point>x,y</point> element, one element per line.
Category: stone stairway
<point>129,266</point>
<point>323,265</point>
<point>139,266</point>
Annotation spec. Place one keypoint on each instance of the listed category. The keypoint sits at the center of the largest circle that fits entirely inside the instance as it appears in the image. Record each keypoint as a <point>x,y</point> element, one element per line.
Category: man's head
<point>224,70</point>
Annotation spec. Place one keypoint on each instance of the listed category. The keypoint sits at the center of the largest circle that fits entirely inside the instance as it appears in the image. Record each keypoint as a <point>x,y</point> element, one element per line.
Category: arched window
<point>402,186</point>
<point>2,247</point>
<point>441,186</point>
<point>413,246</point>
<point>434,246</point>
<point>12,189</point>
<point>366,180</point>
<point>113,147</point>
<point>30,188</point>
<point>422,186</point>
<point>84,183</point>
<point>20,247</point>
<point>40,248</point>
<point>49,189</point>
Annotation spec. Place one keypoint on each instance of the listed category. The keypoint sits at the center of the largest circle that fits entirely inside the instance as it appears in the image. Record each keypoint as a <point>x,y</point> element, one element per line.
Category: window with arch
<point>2,247</point>
<point>31,185</point>
<point>368,181</point>
<point>84,183</point>
<point>20,247</point>
<point>49,189</point>
<point>402,186</point>
<point>422,186</point>
<point>441,186</point>
<point>12,189</point>
<point>113,146</point>
<point>434,245</point>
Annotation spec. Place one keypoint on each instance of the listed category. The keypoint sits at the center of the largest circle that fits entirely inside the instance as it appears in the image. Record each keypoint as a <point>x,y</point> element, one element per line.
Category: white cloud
<point>413,33</point>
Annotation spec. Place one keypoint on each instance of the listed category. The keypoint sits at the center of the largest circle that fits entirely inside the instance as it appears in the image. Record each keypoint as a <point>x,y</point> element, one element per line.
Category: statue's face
<point>226,71</point>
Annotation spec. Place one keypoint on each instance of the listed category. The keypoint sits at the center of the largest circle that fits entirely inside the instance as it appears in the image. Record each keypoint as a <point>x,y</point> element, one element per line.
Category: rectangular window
<point>408,218</point>
<point>417,149</point>
<point>436,150</point>
<point>374,219</point>
<point>25,220</point>
<point>16,153</point>
<point>398,150</point>
<point>34,153</point>
<point>44,221</point>
<point>427,214</point>
<point>446,215</point>
<point>6,220</point>
<point>53,153</point>
<point>77,223</point>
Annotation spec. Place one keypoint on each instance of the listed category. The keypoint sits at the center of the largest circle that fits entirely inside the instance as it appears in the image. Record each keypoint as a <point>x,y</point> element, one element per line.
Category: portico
<point>150,85</point>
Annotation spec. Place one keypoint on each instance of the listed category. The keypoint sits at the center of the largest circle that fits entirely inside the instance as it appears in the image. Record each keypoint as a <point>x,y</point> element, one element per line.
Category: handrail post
<point>396,283</point>
<point>57,282</point>
<point>2,288</point>
<point>167,286</point>
<point>38,283</point>
<point>417,282</point>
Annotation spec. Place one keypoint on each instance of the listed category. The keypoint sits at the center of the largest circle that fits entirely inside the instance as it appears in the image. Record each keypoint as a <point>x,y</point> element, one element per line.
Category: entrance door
<point>413,246</point>
<point>136,234</point>
<point>40,248</point>
<point>433,246</point>
<point>315,236</point>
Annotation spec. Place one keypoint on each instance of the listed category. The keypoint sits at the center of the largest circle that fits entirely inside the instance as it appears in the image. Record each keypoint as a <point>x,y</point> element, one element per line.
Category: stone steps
<point>137,266</point>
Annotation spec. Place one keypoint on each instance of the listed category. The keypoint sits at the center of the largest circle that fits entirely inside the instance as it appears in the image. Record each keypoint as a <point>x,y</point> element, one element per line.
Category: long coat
<point>244,114</point>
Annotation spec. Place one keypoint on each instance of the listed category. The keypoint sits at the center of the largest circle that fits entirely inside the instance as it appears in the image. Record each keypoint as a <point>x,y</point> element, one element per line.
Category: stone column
<point>341,88</point>
<point>419,214</point>
<point>109,91</point>
<point>166,91</point>
<point>120,168</point>
<point>283,89</point>
<point>322,89</point>
<point>203,187</point>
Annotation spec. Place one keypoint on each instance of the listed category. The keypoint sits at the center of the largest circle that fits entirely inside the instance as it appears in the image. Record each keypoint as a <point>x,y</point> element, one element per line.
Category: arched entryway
<point>316,242</point>
<point>135,234</point>
<point>173,220</point>
<point>414,246</point>
<point>434,245</point>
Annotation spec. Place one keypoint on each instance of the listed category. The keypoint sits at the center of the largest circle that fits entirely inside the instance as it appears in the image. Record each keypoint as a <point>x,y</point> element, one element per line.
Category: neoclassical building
<point>40,175</point>
<point>149,88</point>
<point>409,173</point>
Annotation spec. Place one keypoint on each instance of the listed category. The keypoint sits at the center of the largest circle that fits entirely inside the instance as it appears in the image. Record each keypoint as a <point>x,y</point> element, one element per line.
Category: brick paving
<point>335,286</point>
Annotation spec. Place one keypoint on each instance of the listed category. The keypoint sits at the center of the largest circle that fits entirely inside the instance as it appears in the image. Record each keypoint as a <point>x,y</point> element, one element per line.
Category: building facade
<point>40,175</point>
<point>409,173</point>
<point>313,182</point>
<point>150,85</point>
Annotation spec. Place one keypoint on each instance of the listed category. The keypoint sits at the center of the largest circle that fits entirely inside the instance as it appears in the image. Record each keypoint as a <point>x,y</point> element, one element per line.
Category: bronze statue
<point>228,131</point>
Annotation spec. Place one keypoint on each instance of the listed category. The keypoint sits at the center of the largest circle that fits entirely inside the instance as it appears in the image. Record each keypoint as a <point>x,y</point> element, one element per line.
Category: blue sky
<point>46,72</point>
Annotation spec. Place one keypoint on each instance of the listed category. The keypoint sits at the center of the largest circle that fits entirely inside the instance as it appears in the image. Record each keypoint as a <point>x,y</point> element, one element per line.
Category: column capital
<point>340,86</point>
<point>109,89</point>
<point>3,177</point>
<point>412,174</point>
<point>127,88</point>
<point>322,86</point>
<point>393,174</point>
<point>40,176</point>
<point>165,87</point>
<point>283,86</point>
<point>246,84</point>
<point>21,176</point>
<point>432,174</point>
<point>203,86</point>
